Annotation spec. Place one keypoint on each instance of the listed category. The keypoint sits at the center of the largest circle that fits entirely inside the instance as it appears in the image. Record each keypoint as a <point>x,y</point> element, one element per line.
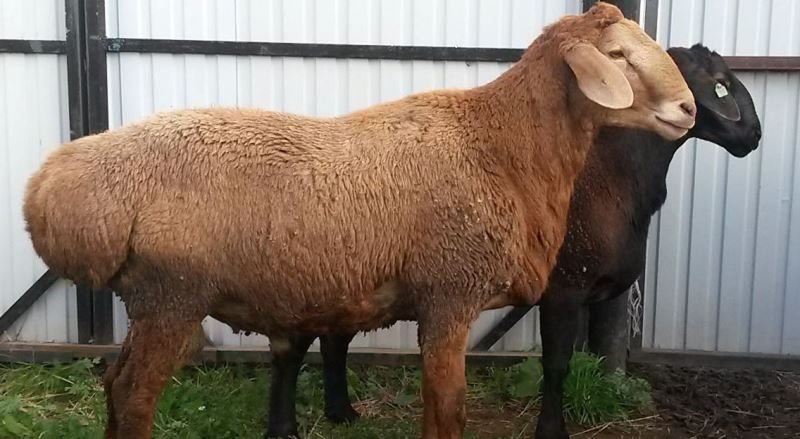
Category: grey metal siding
<point>723,254</point>
<point>33,119</point>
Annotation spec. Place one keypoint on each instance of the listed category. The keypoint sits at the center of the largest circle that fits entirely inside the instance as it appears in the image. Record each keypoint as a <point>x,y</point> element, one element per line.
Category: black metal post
<point>88,114</point>
<point>651,18</point>
<point>78,127</point>
<point>96,80</point>
<point>96,73</point>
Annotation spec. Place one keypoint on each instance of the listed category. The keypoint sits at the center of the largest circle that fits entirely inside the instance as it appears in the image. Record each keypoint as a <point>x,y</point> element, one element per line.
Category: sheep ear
<point>598,78</point>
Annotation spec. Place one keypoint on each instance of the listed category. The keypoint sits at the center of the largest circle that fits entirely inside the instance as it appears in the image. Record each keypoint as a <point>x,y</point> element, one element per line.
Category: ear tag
<point>720,90</point>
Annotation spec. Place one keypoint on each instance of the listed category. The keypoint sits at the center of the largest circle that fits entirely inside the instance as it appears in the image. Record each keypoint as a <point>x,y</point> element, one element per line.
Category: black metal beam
<point>27,300</point>
<point>49,352</point>
<point>501,328</point>
<point>51,47</point>
<point>362,51</point>
<point>764,63</point>
<point>313,50</point>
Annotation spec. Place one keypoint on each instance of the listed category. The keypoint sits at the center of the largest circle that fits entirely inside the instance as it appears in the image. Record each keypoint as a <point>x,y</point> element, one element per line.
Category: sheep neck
<point>539,134</point>
<point>634,165</point>
<point>540,131</point>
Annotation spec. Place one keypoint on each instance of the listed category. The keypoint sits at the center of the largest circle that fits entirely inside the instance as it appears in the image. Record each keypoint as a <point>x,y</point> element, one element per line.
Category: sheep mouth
<point>673,129</point>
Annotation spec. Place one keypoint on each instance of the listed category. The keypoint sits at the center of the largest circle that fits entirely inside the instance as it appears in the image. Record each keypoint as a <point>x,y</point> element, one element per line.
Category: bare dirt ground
<point>708,403</point>
<point>688,403</point>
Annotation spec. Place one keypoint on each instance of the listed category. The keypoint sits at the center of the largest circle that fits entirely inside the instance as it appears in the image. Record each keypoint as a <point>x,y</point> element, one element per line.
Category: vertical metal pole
<point>78,127</point>
<point>96,73</point>
<point>97,117</point>
<point>88,114</point>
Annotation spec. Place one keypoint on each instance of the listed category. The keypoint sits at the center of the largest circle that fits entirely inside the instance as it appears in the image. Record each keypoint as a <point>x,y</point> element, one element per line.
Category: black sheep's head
<point>725,111</point>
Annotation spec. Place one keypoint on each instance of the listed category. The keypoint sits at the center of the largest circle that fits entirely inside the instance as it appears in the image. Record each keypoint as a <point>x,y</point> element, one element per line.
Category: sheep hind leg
<point>111,374</point>
<point>559,327</point>
<point>155,347</point>
<point>338,408</point>
<point>287,358</point>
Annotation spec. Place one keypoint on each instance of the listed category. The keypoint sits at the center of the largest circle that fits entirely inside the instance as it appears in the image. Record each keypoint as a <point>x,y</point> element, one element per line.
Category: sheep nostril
<point>689,108</point>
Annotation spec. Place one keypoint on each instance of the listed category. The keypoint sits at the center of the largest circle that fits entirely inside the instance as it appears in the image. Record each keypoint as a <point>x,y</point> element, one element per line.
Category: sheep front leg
<point>287,358</point>
<point>444,384</point>
<point>559,326</point>
<point>338,408</point>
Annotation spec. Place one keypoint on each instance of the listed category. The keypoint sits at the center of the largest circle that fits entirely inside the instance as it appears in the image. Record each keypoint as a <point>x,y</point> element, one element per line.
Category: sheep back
<point>257,201</point>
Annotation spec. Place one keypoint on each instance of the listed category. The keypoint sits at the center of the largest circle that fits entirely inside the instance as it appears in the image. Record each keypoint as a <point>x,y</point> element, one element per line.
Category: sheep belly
<point>382,308</point>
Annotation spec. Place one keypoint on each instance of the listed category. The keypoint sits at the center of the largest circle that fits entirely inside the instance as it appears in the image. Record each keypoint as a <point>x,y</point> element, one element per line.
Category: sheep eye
<point>723,80</point>
<point>616,54</point>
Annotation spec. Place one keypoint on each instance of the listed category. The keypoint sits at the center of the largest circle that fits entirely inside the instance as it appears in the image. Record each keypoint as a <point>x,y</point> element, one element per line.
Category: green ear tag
<point>721,90</point>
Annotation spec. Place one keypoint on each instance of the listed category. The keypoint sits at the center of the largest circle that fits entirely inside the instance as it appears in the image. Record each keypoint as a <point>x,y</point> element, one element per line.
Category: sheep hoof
<point>543,432</point>
<point>282,432</point>
<point>344,414</point>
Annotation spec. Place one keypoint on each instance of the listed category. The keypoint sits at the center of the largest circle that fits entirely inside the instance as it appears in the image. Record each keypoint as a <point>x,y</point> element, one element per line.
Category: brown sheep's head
<point>629,76</point>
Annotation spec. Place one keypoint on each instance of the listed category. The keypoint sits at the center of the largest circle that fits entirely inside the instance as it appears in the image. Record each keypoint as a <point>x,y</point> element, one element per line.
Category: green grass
<point>66,401</point>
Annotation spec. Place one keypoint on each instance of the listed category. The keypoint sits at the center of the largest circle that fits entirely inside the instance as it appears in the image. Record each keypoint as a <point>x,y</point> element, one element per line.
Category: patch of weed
<point>55,401</point>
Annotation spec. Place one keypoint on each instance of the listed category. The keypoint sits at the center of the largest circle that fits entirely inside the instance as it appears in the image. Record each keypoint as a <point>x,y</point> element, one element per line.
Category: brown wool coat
<point>441,201</point>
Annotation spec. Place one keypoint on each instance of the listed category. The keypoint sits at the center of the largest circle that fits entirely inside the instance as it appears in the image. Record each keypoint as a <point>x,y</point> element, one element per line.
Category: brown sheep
<point>622,184</point>
<point>445,202</point>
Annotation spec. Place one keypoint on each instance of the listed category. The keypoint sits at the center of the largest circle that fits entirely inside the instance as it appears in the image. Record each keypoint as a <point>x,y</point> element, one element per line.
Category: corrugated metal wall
<point>33,119</point>
<point>724,256</point>
<point>142,83</point>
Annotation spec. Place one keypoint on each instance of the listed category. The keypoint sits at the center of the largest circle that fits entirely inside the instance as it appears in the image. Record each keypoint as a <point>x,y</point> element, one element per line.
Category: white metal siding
<point>724,255</point>
<point>32,19</point>
<point>33,119</point>
<point>140,84</point>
